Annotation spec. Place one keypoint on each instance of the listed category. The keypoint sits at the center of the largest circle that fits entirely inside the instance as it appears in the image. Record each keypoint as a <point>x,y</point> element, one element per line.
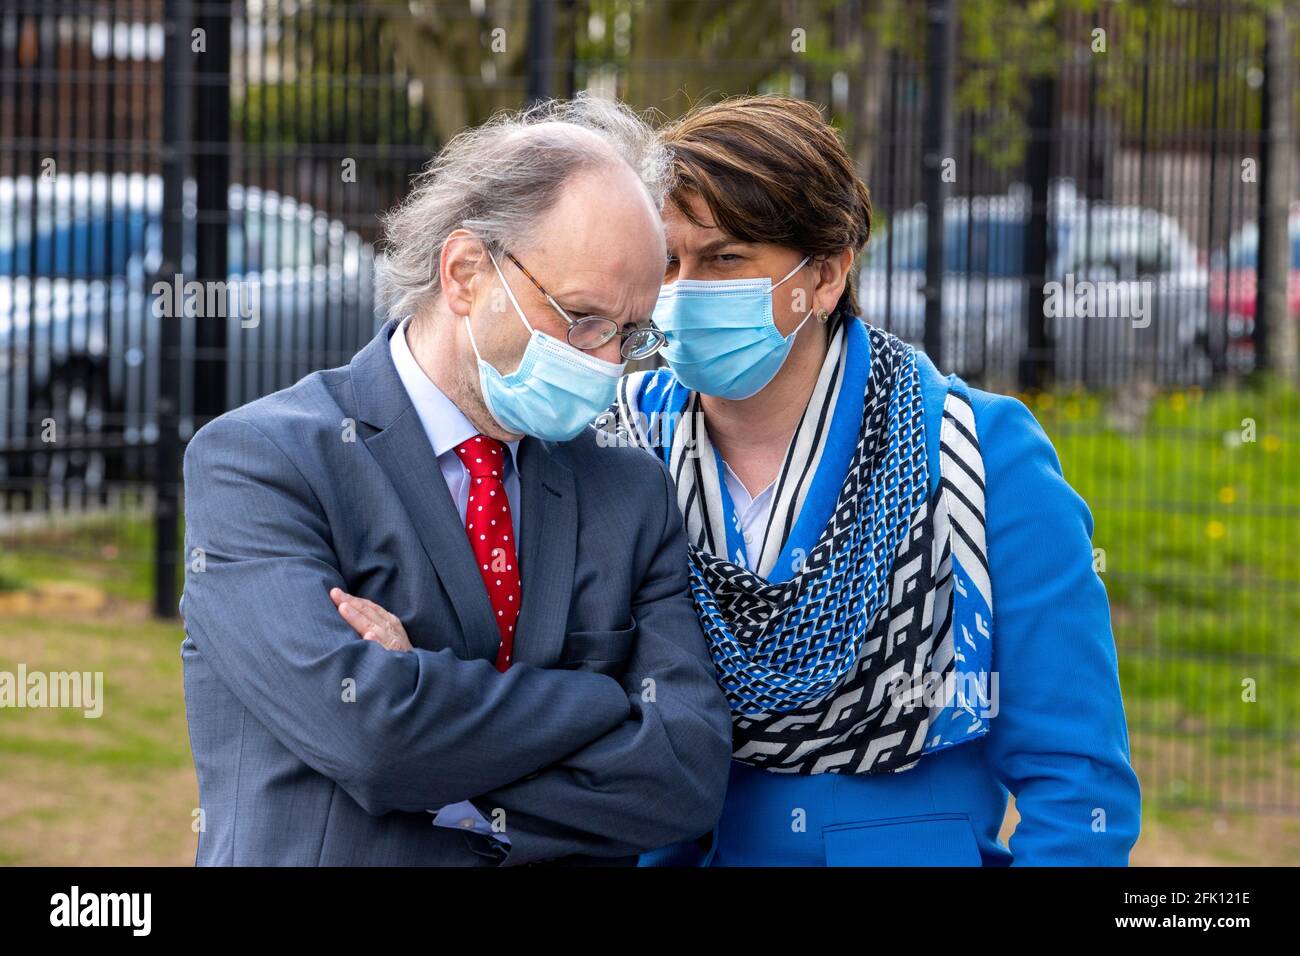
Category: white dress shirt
<point>752,513</point>
<point>446,427</point>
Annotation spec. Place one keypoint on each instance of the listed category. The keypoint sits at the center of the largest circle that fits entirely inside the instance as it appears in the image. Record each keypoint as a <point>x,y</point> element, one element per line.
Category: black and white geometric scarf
<point>860,646</point>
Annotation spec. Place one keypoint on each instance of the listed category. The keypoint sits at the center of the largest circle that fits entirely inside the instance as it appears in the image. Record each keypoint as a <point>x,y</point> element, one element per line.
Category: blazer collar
<point>548,523</point>
<point>380,396</point>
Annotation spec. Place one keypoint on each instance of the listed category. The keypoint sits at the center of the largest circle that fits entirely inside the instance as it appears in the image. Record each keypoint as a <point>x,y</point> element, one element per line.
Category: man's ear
<point>460,268</point>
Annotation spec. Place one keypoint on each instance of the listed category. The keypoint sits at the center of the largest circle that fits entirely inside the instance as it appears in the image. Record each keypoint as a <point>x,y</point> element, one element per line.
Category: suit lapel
<point>403,451</point>
<point>549,527</point>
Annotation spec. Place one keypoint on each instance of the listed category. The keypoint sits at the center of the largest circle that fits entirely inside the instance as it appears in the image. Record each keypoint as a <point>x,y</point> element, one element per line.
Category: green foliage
<point>111,553</point>
<point>321,109</point>
<point>463,60</point>
<point>10,579</point>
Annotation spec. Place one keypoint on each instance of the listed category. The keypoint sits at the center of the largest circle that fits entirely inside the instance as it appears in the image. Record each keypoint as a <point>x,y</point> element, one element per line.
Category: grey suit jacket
<point>606,737</point>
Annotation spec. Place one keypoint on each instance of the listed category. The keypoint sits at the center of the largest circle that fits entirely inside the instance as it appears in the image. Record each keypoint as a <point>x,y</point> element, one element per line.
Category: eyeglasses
<point>593,331</point>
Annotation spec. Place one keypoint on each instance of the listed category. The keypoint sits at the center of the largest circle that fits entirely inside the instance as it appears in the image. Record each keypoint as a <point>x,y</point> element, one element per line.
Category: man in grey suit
<point>461,701</point>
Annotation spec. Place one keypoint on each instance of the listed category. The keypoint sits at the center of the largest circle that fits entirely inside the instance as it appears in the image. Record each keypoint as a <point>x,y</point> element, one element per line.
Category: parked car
<point>79,339</point>
<point>1132,249</point>
<point>1233,287</point>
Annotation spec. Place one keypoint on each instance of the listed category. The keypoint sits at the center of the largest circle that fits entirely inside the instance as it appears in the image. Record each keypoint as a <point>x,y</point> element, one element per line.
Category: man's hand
<point>371,621</point>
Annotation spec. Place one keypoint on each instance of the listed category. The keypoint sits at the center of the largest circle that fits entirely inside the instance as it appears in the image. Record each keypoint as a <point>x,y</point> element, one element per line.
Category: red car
<point>1232,290</point>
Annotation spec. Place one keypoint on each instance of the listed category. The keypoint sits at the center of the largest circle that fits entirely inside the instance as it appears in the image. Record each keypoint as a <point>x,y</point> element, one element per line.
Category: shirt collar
<point>444,423</point>
<point>740,494</point>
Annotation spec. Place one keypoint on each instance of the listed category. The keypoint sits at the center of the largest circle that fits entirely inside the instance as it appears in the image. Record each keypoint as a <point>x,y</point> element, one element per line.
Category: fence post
<point>1036,362</point>
<point>939,47</point>
<point>212,231</point>
<point>174,151</point>
<point>1274,333</point>
<point>541,18</point>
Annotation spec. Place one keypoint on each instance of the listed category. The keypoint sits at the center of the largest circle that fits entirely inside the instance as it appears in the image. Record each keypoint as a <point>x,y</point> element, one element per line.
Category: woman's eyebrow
<point>713,245</point>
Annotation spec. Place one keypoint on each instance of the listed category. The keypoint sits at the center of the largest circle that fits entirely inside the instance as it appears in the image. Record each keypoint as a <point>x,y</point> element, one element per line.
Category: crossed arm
<point>423,729</point>
<point>660,776</point>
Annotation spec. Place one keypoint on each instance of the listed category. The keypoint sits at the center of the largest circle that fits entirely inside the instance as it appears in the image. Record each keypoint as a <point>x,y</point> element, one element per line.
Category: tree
<point>1278,186</point>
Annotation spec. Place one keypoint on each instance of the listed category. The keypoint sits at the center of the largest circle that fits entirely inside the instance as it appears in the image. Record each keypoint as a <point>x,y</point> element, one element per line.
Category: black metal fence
<point>189,195</point>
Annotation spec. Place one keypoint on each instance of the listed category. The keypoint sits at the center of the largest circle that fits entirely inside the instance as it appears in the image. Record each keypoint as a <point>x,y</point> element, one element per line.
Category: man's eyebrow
<point>580,302</point>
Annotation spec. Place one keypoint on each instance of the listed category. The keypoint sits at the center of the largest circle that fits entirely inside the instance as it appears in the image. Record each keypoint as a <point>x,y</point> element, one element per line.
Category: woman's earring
<point>822,316</point>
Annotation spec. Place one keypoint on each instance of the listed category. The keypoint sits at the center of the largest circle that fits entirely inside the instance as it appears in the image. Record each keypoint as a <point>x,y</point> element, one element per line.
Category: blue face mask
<point>722,338</point>
<point>557,389</point>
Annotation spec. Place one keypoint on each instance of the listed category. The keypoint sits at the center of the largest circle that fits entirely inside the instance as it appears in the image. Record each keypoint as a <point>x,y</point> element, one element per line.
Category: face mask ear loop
<point>802,263</point>
<point>509,294</point>
<point>802,323</point>
<point>474,345</point>
<point>804,320</point>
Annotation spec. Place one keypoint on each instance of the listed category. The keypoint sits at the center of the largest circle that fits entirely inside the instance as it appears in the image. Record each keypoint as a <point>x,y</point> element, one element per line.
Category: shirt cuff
<point>465,816</point>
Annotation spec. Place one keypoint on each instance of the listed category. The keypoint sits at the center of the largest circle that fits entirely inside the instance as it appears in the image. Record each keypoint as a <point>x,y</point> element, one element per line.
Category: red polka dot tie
<point>491,534</point>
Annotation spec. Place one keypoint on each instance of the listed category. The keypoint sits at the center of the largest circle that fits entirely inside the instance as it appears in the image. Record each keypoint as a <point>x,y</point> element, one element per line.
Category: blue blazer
<point>606,737</point>
<point>1059,741</point>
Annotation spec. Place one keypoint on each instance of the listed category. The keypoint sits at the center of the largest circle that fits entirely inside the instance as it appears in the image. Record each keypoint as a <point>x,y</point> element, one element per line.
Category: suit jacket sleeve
<point>417,730</point>
<point>1059,741</point>
<point>661,776</point>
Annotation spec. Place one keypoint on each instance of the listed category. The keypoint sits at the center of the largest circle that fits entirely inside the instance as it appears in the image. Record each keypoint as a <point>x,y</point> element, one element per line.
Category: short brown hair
<point>772,170</point>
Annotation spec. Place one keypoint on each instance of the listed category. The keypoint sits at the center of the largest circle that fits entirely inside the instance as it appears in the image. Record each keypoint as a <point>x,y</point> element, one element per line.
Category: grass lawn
<point>1197,518</point>
<point>1200,535</point>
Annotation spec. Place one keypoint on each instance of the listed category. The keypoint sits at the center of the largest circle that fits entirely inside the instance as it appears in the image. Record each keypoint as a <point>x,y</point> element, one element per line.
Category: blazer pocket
<point>606,652</point>
<point>933,839</point>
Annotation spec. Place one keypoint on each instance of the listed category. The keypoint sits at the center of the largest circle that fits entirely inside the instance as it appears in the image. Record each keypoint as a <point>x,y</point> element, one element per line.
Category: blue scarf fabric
<point>866,642</point>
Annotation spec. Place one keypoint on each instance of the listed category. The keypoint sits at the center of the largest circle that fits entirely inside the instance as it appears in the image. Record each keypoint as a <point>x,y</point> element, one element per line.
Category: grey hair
<point>500,178</point>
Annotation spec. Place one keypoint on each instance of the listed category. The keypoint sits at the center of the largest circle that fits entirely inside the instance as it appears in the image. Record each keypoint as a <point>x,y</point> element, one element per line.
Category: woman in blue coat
<point>895,580</point>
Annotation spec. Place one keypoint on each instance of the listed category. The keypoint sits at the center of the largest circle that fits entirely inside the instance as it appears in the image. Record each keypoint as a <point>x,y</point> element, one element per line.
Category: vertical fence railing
<point>175,151</point>
<point>937,152</point>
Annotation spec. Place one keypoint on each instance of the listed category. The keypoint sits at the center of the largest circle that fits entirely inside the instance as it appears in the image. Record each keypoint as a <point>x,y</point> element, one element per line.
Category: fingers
<point>380,615</point>
<point>375,611</point>
<point>369,620</point>
<point>358,618</point>
<point>354,618</point>
<point>383,640</point>
<point>369,609</point>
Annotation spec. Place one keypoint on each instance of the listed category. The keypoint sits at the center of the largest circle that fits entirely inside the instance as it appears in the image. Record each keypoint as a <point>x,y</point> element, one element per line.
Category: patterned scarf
<point>871,646</point>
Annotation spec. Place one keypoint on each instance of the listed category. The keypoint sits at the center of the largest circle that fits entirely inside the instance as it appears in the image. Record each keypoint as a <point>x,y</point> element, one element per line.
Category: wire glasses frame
<point>593,331</point>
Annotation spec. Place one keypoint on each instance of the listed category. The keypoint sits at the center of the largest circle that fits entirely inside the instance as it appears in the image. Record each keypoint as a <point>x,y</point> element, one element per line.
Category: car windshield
<point>1126,241</point>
